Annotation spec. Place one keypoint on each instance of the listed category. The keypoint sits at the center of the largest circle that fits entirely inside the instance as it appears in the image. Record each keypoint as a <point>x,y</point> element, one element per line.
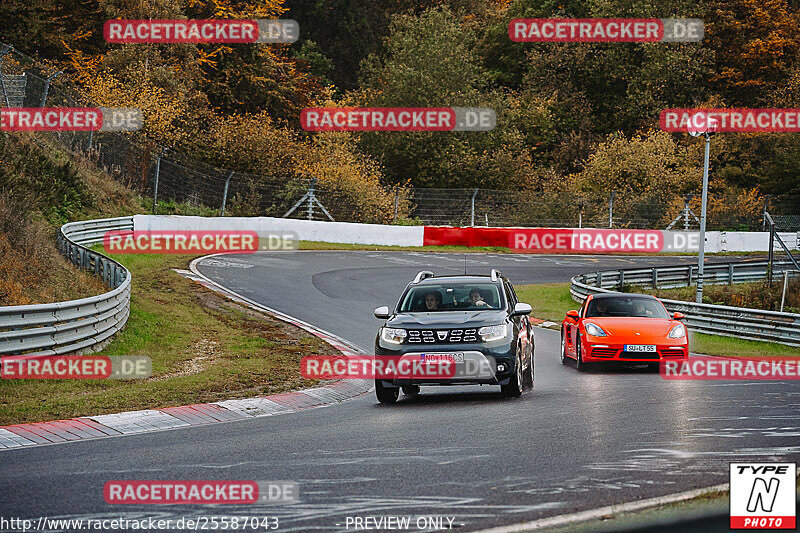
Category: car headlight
<point>678,331</point>
<point>393,335</point>
<point>493,333</point>
<point>595,330</point>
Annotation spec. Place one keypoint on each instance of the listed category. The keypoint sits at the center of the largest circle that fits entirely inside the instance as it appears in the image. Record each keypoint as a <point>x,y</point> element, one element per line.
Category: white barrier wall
<point>352,233</point>
<point>747,241</point>
<point>306,230</point>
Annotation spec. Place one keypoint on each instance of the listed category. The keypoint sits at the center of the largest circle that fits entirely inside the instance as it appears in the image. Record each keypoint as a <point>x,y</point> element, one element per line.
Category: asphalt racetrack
<point>578,441</point>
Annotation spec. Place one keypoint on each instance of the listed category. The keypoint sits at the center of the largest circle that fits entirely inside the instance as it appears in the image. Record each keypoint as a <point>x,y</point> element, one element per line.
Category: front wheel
<point>515,384</point>
<point>386,394</point>
<point>529,373</point>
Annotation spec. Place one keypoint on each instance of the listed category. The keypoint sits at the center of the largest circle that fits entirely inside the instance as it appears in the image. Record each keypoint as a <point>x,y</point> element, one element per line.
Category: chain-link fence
<point>172,179</point>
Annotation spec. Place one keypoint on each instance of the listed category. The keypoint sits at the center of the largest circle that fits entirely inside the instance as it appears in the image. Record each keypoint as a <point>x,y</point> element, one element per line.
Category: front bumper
<point>599,351</point>
<point>501,359</point>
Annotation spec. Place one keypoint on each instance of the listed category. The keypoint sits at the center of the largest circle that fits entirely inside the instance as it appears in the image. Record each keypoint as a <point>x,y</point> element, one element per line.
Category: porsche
<point>622,328</point>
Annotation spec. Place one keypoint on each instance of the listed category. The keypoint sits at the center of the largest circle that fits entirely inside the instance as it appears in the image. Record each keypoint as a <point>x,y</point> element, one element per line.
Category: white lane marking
<point>594,514</point>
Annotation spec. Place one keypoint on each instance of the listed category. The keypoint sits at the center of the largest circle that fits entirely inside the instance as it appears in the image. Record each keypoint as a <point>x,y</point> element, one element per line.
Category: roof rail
<point>422,275</point>
<point>495,274</point>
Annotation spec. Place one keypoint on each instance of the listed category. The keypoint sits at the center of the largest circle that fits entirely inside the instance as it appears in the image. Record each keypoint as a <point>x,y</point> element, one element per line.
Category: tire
<point>528,377</point>
<point>515,384</point>
<point>579,364</point>
<point>411,390</point>
<point>386,395</point>
<point>564,358</point>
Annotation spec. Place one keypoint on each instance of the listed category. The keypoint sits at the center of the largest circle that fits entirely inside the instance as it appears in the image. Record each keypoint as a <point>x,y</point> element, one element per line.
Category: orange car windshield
<point>626,307</point>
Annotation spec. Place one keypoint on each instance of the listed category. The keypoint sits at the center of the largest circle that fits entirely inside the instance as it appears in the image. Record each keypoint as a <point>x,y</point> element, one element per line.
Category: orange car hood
<point>626,328</point>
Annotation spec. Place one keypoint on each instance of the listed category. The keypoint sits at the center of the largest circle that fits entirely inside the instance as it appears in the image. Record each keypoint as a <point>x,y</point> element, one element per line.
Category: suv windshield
<point>622,306</point>
<point>451,297</point>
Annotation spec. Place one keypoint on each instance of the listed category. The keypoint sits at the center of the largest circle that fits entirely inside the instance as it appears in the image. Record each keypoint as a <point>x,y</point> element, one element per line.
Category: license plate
<point>640,348</point>
<point>436,357</point>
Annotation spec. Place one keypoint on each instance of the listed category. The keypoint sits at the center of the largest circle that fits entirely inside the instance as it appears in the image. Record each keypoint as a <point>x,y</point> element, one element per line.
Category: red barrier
<point>551,240</point>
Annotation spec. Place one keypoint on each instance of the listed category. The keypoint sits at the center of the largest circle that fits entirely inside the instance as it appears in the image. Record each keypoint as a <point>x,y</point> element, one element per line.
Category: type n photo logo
<point>763,495</point>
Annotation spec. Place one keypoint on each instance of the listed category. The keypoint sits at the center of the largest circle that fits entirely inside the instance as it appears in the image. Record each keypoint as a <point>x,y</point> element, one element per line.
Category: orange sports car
<point>624,328</point>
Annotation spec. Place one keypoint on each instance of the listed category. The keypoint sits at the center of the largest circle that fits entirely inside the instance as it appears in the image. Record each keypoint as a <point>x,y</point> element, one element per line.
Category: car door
<point>520,321</point>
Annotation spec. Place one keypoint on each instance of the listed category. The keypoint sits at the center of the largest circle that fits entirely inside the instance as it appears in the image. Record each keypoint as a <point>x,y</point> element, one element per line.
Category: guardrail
<point>76,326</point>
<point>744,323</point>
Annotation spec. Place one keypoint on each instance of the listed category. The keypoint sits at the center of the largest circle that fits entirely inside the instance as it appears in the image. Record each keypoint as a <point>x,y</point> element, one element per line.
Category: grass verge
<point>204,348</point>
<point>551,301</point>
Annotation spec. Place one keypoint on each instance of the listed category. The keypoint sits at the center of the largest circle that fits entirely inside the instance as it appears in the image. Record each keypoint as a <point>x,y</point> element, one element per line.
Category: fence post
<point>225,195</point>
<point>600,279</point>
<point>311,198</point>
<point>785,282</point>
<point>689,282</point>
<point>771,254</point>
<point>655,278</point>
<point>730,273</point>
<point>6,50</point>
<point>155,185</point>
<point>686,213</point>
<point>621,280</point>
<point>47,87</point>
<point>611,210</point>
<point>396,199</point>
<point>472,209</point>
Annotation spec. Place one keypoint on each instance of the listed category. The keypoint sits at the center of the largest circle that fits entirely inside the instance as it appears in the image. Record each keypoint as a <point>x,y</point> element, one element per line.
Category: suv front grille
<point>442,336</point>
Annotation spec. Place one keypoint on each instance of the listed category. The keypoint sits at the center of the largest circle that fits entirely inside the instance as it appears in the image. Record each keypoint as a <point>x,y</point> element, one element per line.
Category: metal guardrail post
<point>396,200</point>
<point>730,273</point>
<point>655,278</point>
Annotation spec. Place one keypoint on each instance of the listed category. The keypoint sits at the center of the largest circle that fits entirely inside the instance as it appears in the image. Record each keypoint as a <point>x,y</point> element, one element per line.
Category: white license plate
<point>640,348</point>
<point>436,357</point>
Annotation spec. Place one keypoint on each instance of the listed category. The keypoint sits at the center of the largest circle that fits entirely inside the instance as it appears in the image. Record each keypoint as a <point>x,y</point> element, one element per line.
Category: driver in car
<point>476,299</point>
<point>433,300</point>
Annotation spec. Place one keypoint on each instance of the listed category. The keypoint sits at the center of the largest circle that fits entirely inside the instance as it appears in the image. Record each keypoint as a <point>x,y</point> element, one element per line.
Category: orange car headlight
<point>678,331</point>
<point>594,330</point>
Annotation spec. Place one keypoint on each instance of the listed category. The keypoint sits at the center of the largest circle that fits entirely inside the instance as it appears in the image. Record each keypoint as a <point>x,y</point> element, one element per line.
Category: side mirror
<point>573,315</point>
<point>677,315</point>
<point>521,309</point>
<point>381,312</point>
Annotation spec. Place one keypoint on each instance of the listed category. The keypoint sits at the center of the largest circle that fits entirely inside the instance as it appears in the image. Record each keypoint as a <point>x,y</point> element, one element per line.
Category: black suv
<point>476,322</point>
